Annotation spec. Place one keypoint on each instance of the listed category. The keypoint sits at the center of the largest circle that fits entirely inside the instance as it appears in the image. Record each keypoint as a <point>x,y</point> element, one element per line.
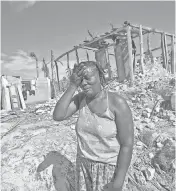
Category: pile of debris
<point>153,164</point>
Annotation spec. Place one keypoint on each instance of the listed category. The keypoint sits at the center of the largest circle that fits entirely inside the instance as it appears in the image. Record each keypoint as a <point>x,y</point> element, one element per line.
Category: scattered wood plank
<point>13,127</point>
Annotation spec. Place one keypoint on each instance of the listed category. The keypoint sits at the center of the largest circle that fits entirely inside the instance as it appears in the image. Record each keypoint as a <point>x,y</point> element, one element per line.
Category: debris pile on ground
<point>153,165</point>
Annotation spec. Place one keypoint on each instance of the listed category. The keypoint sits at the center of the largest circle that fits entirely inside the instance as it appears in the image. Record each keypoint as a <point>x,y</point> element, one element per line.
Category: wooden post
<point>163,51</point>
<point>109,65</point>
<point>149,48</point>
<point>166,51</point>
<point>68,65</point>
<point>87,56</point>
<point>148,42</point>
<point>130,54</point>
<point>119,62</point>
<point>57,73</point>
<point>52,66</point>
<point>37,68</point>
<point>77,57</point>
<point>141,48</point>
<point>173,52</point>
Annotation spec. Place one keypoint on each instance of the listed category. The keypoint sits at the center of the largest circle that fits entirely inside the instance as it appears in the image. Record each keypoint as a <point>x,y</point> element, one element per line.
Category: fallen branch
<point>13,127</point>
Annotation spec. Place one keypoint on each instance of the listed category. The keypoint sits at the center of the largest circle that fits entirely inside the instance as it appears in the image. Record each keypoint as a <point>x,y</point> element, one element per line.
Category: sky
<point>39,27</point>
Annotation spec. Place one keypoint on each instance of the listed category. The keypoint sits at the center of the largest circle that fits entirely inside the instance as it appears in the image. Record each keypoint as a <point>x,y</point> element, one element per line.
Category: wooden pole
<point>37,68</point>
<point>148,43</point>
<point>163,51</point>
<point>57,73</point>
<point>87,56</point>
<point>119,62</point>
<point>166,52</point>
<point>52,66</point>
<point>68,65</point>
<point>173,52</point>
<point>150,29</point>
<point>141,48</point>
<point>158,48</point>
<point>109,65</point>
<point>128,29</point>
<point>77,57</point>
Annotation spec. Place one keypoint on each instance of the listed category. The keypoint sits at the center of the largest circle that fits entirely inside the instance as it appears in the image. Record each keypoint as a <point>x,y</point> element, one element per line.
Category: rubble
<point>154,150</point>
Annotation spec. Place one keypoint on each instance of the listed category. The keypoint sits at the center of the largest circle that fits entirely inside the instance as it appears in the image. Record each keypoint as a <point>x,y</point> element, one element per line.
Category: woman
<point>104,130</point>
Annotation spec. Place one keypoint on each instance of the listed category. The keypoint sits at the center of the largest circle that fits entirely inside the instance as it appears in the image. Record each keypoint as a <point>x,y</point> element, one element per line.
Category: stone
<point>159,144</point>
<point>72,127</point>
<point>157,109</point>
<point>149,173</point>
<point>144,113</point>
<point>139,177</point>
<point>151,155</point>
<point>171,118</point>
<point>150,125</point>
<point>147,120</point>
<point>164,157</point>
<point>140,127</point>
<point>148,110</point>
<point>37,132</point>
<point>173,100</point>
<point>155,119</point>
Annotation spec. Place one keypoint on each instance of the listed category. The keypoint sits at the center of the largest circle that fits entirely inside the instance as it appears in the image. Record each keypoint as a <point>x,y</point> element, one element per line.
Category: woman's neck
<point>97,95</point>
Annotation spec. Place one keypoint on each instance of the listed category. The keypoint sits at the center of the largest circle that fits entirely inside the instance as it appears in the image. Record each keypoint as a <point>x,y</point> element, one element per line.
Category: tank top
<point>97,135</point>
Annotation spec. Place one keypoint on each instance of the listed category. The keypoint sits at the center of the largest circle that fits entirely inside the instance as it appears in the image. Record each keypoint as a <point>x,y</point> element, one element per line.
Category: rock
<point>155,119</point>
<point>171,118</point>
<point>159,145</point>
<point>174,123</point>
<point>139,145</point>
<point>39,131</point>
<point>173,100</point>
<point>148,110</point>
<point>146,120</point>
<point>150,125</point>
<point>139,177</point>
<point>140,127</point>
<point>137,118</point>
<point>157,109</point>
<point>139,107</point>
<point>151,155</point>
<point>40,111</point>
<point>72,127</point>
<point>164,157</point>
<point>144,113</point>
<point>149,173</point>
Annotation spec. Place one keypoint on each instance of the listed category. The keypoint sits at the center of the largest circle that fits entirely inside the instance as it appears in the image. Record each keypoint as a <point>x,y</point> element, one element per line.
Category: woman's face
<point>90,82</point>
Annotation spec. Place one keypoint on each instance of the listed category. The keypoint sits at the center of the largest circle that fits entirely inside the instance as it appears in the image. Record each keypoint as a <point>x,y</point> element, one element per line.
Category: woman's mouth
<point>86,89</point>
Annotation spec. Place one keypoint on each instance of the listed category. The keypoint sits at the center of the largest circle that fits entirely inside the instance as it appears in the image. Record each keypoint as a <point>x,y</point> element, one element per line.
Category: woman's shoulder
<point>117,100</point>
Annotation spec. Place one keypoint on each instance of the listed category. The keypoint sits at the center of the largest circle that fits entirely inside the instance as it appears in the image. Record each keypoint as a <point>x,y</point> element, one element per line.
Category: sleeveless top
<point>97,135</point>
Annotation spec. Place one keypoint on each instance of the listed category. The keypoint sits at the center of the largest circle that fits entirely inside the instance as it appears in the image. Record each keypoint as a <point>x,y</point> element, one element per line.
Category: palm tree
<point>32,55</point>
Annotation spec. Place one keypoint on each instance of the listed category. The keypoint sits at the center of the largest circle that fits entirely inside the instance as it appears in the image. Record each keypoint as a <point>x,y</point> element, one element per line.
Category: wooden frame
<point>126,32</point>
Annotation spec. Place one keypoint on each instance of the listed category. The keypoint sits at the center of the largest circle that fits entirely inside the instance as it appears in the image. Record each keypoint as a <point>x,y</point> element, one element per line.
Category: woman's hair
<point>99,68</point>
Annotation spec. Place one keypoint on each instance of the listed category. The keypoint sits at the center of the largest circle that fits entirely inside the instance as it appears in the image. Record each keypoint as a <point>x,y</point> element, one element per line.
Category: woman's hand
<point>76,77</point>
<point>111,187</point>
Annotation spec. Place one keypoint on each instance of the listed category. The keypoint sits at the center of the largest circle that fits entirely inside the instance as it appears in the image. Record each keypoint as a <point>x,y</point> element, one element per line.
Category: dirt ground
<point>28,137</point>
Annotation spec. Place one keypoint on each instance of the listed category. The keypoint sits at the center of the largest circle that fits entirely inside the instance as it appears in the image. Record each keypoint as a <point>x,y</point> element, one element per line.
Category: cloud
<point>19,64</point>
<point>3,54</point>
<point>21,5</point>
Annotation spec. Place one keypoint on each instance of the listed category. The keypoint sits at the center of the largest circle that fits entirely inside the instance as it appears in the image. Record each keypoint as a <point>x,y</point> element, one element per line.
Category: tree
<point>32,55</point>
